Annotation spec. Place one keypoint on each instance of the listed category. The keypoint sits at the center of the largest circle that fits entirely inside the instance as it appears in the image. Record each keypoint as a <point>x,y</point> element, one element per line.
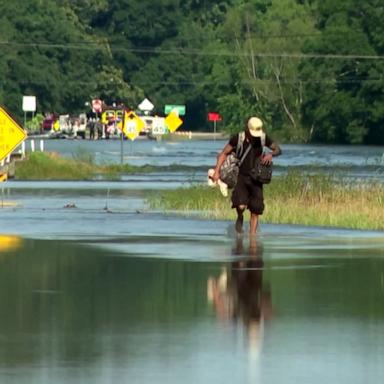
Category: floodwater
<point>354,161</point>
<point>98,288</point>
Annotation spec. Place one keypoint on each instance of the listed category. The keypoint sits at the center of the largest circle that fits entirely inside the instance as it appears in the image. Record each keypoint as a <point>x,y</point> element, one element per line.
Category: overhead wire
<point>351,80</point>
<point>96,46</point>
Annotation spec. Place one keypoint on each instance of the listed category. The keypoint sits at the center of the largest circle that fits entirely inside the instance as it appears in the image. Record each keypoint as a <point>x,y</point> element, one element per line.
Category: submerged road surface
<point>96,288</point>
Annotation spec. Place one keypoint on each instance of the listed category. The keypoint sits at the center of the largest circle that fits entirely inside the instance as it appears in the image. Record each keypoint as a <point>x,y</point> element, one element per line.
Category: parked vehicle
<point>48,122</point>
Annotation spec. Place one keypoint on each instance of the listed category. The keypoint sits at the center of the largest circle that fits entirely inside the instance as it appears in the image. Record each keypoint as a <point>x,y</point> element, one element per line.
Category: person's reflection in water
<point>239,293</point>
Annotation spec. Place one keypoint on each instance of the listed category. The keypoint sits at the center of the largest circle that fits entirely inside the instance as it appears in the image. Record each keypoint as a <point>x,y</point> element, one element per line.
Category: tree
<point>266,36</point>
<point>48,54</point>
<point>344,102</point>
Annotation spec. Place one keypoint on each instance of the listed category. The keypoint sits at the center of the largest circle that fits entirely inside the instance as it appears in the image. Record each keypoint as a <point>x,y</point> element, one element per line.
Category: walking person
<point>248,194</point>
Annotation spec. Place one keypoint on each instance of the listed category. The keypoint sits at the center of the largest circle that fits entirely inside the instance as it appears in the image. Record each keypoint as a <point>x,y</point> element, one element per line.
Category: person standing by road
<point>248,194</point>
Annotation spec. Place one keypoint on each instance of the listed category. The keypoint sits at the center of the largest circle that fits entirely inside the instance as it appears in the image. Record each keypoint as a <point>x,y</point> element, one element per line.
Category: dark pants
<point>250,193</point>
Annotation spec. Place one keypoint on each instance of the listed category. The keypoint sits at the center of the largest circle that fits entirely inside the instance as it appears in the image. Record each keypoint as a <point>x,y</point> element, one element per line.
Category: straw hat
<point>255,126</point>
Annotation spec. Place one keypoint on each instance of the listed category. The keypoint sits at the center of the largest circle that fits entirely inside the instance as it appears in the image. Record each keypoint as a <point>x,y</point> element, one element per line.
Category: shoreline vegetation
<point>293,198</point>
<point>52,166</point>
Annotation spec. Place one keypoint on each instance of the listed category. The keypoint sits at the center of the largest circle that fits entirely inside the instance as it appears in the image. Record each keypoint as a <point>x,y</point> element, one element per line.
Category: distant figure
<point>91,125</point>
<point>99,129</point>
<point>91,117</point>
<point>76,126</point>
<point>248,194</point>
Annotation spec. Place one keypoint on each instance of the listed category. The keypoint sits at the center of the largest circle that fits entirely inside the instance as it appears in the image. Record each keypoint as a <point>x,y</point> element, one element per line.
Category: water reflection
<point>10,242</point>
<point>74,313</point>
<point>239,294</point>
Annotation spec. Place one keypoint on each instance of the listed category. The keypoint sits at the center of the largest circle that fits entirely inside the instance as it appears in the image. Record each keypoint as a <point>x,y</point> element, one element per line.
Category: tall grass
<point>326,201</point>
<point>50,166</point>
<point>318,200</point>
<point>296,198</point>
<point>81,166</point>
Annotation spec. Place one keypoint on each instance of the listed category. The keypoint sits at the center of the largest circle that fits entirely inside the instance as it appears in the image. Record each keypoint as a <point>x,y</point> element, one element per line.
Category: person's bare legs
<point>253,221</point>
<point>240,218</point>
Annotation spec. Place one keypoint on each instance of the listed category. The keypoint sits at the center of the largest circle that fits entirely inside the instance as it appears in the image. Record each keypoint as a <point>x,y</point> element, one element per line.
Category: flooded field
<point>96,288</point>
<point>348,161</point>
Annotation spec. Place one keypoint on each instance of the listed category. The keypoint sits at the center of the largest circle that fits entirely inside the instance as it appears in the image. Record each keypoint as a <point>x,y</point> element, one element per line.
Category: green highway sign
<point>179,108</point>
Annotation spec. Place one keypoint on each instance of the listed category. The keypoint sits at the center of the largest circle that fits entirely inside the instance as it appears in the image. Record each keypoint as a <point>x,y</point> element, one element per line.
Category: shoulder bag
<point>261,173</point>
<point>229,170</point>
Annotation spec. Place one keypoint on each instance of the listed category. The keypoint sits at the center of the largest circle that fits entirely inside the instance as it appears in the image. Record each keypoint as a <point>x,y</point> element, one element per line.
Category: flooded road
<point>97,288</point>
<point>199,155</point>
<point>193,308</point>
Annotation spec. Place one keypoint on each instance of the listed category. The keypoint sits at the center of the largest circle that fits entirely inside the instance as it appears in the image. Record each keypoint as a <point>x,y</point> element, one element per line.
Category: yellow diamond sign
<point>132,125</point>
<point>173,121</point>
<point>11,134</point>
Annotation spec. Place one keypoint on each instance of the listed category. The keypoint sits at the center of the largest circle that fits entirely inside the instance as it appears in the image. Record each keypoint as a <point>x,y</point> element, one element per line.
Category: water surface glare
<point>199,306</point>
<point>97,288</point>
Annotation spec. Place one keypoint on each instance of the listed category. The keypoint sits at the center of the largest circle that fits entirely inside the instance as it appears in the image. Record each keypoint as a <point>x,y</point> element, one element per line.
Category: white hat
<point>255,126</point>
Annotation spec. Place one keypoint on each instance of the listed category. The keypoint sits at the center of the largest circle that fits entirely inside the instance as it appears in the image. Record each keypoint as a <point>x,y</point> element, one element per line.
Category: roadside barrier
<point>184,133</point>
<point>33,146</point>
<point>5,161</point>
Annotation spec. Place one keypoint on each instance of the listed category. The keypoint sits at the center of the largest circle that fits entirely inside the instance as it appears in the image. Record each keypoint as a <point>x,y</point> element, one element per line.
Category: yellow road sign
<point>133,125</point>
<point>3,177</point>
<point>173,121</point>
<point>8,243</point>
<point>11,134</point>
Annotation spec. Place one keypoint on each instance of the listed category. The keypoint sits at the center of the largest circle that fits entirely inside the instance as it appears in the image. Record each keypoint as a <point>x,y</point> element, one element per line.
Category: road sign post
<point>133,125</point>
<point>11,134</point>
<point>29,105</point>
<point>215,117</point>
<point>146,106</point>
<point>180,109</point>
<point>173,121</point>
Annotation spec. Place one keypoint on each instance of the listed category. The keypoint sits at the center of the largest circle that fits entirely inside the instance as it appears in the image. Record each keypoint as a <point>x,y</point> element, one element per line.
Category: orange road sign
<point>11,134</point>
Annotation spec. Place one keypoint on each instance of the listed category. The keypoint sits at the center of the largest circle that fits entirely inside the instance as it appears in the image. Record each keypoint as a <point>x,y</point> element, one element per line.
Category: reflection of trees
<point>58,298</point>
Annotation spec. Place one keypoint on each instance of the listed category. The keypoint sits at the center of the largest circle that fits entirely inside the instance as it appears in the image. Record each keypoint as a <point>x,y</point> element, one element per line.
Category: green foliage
<point>345,103</point>
<point>312,70</point>
<point>81,166</point>
<point>82,155</point>
<point>33,125</point>
<point>48,166</point>
<point>296,198</point>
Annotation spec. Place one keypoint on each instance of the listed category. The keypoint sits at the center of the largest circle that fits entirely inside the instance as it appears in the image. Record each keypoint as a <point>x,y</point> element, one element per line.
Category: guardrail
<point>7,165</point>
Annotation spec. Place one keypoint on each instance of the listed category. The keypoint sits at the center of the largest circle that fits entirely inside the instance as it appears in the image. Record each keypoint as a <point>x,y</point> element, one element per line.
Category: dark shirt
<point>255,152</point>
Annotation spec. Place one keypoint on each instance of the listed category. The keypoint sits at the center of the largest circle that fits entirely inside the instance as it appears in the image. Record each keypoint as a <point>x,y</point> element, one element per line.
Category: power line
<point>191,51</point>
<point>249,81</point>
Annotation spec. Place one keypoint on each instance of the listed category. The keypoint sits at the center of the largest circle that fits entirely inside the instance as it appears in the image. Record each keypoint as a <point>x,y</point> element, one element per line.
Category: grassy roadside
<point>317,200</point>
<point>51,166</point>
<point>296,198</point>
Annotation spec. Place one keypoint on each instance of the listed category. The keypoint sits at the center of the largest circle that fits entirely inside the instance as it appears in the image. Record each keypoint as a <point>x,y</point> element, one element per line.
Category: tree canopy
<point>311,69</point>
